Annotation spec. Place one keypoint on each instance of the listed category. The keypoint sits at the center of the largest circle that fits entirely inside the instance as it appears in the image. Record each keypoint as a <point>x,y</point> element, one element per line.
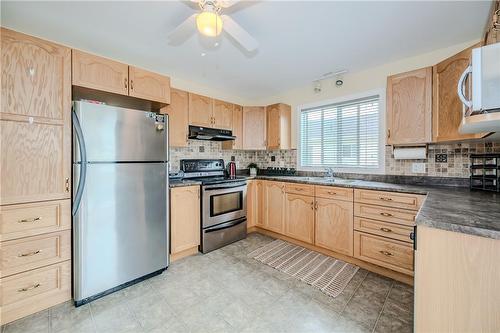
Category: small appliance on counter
<point>485,172</point>
<point>223,202</point>
<point>231,170</point>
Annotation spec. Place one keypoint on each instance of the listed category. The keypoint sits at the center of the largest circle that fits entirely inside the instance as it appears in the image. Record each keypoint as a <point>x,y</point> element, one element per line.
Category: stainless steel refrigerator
<point>120,201</point>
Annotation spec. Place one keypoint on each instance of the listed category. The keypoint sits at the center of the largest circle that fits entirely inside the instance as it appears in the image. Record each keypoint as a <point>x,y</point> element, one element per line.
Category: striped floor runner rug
<point>328,274</point>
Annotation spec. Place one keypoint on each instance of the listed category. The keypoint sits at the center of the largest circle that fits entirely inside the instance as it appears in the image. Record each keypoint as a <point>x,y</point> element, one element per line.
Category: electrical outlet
<point>201,149</point>
<point>273,158</point>
<point>441,158</point>
<point>418,167</point>
<point>233,158</point>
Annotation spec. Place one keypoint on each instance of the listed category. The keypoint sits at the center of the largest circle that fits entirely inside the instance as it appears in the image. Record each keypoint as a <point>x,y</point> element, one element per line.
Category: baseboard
<point>186,253</point>
<point>407,279</point>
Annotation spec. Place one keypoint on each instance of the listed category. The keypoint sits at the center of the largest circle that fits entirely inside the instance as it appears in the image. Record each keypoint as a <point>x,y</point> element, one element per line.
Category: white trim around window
<point>346,99</point>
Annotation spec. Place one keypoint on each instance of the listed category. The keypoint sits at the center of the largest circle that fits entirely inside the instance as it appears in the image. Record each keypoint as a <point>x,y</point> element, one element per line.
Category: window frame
<point>343,99</point>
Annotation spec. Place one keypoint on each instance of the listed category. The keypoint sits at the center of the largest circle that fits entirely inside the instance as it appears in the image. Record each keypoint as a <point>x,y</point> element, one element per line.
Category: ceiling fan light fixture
<point>209,23</point>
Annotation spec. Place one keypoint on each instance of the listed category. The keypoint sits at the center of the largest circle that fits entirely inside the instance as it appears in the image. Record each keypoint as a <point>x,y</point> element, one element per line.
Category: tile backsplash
<point>453,159</point>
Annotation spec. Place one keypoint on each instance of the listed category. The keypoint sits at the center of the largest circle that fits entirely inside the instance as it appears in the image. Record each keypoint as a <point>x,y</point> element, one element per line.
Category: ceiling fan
<point>210,22</point>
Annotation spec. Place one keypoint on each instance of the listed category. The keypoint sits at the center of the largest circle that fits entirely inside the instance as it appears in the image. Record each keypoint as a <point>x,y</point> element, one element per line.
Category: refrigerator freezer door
<point>120,229</point>
<point>114,134</point>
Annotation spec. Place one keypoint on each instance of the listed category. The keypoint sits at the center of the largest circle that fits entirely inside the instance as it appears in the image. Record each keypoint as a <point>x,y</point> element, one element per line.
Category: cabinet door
<point>99,73</point>
<point>273,126</point>
<point>184,218</point>
<point>251,203</point>
<point>275,206</point>
<point>200,110</point>
<point>409,107</point>
<point>254,127</point>
<point>237,130</point>
<point>148,85</point>
<point>223,115</point>
<point>35,125</point>
<point>260,203</point>
<point>447,107</point>
<point>299,217</point>
<point>334,225</point>
<point>178,114</point>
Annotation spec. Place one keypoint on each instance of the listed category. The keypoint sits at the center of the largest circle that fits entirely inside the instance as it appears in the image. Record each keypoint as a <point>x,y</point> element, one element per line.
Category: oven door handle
<point>225,225</point>
<point>223,187</point>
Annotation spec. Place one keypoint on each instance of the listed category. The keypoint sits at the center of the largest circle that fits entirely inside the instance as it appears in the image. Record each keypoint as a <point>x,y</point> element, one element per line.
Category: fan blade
<point>239,34</point>
<point>184,30</point>
<point>195,4</point>
<point>227,3</point>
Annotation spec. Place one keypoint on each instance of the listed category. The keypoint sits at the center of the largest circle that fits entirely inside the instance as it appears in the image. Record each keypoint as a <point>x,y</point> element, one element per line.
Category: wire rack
<point>485,172</point>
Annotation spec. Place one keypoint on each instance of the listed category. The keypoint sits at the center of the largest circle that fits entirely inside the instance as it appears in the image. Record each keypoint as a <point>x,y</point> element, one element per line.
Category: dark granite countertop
<point>447,208</point>
<point>183,182</point>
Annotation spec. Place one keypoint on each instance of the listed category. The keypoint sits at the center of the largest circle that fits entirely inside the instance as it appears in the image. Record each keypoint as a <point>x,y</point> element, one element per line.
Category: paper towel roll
<point>410,153</point>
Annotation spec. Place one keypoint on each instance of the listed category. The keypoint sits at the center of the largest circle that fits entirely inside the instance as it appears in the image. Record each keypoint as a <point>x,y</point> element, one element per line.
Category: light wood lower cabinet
<point>299,217</point>
<point>274,206</point>
<point>184,220</point>
<point>252,203</point>
<point>35,290</point>
<point>334,225</point>
<point>457,282</point>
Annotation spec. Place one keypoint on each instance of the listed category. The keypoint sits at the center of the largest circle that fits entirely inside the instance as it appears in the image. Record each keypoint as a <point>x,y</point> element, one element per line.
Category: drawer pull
<point>299,189</point>
<point>385,229</point>
<point>331,192</point>
<point>385,199</point>
<point>35,219</point>
<point>29,254</point>
<point>29,288</point>
<point>386,214</point>
<point>386,253</point>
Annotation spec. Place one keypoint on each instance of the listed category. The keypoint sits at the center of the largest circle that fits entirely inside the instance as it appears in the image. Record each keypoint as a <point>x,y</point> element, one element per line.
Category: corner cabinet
<point>279,118</point>
<point>184,221</point>
<point>94,72</point>
<point>35,120</point>
<point>178,114</point>
<point>254,128</point>
<point>447,107</point>
<point>409,107</point>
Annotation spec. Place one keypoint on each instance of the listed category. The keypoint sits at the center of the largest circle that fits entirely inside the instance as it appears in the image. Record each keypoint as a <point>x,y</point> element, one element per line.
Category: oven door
<point>223,202</point>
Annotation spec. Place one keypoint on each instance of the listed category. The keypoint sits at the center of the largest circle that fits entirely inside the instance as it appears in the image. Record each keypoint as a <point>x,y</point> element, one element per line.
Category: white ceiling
<point>299,40</point>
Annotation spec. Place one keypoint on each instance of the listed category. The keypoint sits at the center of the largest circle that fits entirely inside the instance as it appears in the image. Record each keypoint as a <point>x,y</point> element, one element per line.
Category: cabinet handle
<point>125,82</point>
<point>386,214</point>
<point>66,184</point>
<point>385,199</point>
<point>299,189</point>
<point>34,219</point>
<point>312,205</point>
<point>131,84</point>
<point>386,253</point>
<point>331,192</point>
<point>316,205</point>
<point>385,229</point>
<point>388,133</point>
<point>29,288</point>
<point>29,254</point>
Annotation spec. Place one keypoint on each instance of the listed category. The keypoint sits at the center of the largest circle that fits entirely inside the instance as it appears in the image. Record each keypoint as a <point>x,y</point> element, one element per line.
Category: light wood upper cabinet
<point>178,114</point>
<point>254,127</point>
<point>99,73</point>
<point>274,210</point>
<point>184,218</point>
<point>334,225</point>
<point>447,107</point>
<point>148,85</point>
<point>299,217</point>
<point>35,125</point>
<point>409,107</point>
<point>237,130</point>
<point>200,110</point>
<point>222,115</point>
<point>279,117</point>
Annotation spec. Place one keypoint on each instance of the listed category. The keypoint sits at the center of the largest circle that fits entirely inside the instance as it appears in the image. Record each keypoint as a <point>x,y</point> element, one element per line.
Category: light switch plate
<point>418,167</point>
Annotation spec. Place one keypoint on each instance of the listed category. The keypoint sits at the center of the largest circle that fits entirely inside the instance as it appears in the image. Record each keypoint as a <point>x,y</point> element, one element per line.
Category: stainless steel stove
<point>223,203</point>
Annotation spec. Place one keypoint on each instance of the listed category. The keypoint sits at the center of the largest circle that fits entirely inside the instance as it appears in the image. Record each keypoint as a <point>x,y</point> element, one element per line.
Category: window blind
<point>341,135</point>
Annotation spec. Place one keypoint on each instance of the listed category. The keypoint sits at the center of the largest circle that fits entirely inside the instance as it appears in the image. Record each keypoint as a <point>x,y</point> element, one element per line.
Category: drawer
<point>299,189</point>
<point>32,252</point>
<point>29,292</point>
<point>333,192</point>
<point>385,214</point>
<point>31,219</point>
<point>390,230</point>
<point>385,252</point>
<point>390,199</point>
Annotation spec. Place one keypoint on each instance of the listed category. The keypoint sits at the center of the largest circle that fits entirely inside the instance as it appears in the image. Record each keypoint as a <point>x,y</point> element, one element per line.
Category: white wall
<point>359,82</point>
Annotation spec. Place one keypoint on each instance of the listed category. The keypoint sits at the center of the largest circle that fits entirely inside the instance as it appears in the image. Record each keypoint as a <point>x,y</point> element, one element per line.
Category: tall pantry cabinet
<point>35,169</point>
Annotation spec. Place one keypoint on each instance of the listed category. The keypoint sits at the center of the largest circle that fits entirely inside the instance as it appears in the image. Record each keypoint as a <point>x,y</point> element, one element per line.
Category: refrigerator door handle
<point>83,163</point>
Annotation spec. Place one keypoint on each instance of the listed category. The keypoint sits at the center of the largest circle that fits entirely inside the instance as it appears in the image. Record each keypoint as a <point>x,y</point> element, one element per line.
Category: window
<point>342,135</point>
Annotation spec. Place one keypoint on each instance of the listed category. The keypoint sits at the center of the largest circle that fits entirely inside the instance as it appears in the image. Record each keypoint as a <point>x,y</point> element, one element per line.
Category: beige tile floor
<point>225,291</point>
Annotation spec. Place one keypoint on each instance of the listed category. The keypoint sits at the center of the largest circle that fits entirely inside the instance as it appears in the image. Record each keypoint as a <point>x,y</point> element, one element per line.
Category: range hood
<point>212,134</point>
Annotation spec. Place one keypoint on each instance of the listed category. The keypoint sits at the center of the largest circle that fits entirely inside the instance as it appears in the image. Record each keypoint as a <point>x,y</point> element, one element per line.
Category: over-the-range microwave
<point>482,110</point>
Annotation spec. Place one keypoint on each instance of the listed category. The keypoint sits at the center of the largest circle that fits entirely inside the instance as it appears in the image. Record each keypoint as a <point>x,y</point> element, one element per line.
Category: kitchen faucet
<point>329,172</point>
